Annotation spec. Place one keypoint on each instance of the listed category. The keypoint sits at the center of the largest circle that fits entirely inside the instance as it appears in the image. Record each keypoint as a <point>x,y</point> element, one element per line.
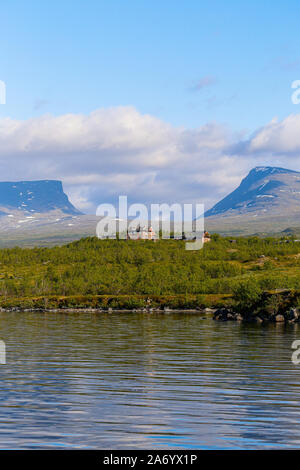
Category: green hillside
<point>91,272</point>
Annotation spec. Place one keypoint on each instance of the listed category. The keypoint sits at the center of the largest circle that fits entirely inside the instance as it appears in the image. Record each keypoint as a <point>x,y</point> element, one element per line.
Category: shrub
<point>247,294</point>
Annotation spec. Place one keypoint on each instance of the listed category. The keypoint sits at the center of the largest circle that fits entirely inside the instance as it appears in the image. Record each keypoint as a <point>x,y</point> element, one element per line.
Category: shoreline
<point>279,306</point>
<point>222,314</point>
<point>109,310</point>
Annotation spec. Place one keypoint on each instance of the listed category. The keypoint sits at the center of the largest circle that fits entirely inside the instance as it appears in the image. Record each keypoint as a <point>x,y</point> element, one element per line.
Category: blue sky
<point>76,56</point>
<point>183,63</point>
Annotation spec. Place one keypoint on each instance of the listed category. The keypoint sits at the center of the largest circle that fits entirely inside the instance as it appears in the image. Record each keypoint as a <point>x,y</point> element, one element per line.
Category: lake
<point>154,381</point>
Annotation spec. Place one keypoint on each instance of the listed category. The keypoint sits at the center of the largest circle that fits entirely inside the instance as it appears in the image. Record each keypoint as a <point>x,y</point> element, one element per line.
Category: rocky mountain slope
<point>40,213</point>
<point>264,189</point>
<point>34,196</point>
<point>267,200</point>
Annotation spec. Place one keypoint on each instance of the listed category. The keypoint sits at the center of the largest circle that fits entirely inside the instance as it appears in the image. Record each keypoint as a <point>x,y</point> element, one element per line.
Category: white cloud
<point>121,151</point>
<point>277,138</point>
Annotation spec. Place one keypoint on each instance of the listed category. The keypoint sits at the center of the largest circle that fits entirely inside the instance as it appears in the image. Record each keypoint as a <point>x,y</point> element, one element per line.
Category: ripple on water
<point>146,381</point>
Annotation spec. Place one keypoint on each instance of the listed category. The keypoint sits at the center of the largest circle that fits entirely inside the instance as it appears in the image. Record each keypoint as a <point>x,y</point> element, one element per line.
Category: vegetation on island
<point>93,273</point>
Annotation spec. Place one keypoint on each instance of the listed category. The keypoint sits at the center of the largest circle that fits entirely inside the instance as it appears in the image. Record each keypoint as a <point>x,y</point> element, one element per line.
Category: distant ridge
<point>35,196</point>
<point>265,190</point>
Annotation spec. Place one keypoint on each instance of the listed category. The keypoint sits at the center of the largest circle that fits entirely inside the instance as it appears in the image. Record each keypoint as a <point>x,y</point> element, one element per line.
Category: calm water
<point>147,381</point>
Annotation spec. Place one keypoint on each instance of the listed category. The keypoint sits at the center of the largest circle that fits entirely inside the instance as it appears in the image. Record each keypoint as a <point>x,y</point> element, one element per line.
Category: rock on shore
<point>227,314</point>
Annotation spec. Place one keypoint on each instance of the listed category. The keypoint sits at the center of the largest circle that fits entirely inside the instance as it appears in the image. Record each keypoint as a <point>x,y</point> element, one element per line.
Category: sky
<point>161,101</point>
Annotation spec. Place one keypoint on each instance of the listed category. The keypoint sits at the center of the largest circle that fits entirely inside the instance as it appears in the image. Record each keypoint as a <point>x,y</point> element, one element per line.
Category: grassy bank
<point>127,302</point>
<point>91,273</point>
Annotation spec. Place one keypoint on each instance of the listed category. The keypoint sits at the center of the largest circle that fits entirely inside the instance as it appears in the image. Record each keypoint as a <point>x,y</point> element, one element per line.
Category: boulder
<point>279,318</point>
<point>209,310</point>
<point>293,314</point>
<point>238,317</point>
<point>223,314</point>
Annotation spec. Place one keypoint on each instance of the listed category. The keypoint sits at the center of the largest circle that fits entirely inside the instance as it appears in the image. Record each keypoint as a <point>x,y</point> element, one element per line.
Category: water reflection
<point>146,381</point>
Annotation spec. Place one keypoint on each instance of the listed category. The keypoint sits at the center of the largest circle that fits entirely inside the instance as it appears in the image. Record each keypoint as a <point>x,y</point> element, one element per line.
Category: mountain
<point>39,213</point>
<point>267,200</point>
<point>263,189</point>
<point>34,196</point>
